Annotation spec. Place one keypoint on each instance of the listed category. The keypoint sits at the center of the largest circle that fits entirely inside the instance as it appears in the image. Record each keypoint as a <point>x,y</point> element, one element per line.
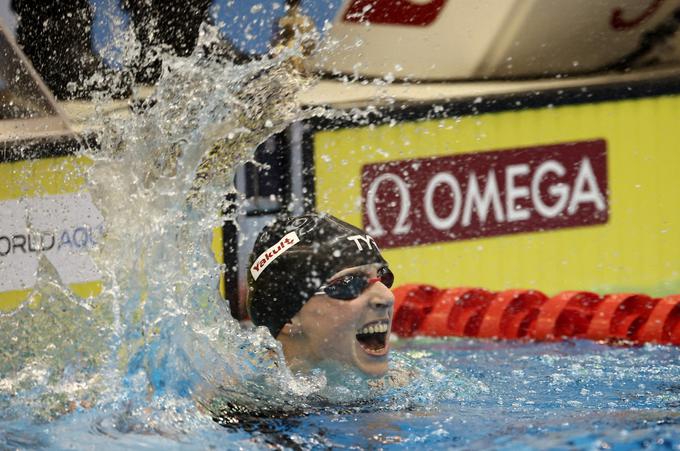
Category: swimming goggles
<point>352,285</point>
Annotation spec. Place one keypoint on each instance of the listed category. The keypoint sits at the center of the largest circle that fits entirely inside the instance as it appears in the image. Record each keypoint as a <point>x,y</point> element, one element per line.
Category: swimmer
<point>322,288</point>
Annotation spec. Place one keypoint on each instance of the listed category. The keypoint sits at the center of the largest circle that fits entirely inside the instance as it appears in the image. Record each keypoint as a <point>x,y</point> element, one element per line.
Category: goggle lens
<point>352,285</point>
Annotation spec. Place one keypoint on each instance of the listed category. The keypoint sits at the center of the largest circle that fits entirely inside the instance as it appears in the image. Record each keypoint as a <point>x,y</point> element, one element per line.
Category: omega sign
<point>421,201</point>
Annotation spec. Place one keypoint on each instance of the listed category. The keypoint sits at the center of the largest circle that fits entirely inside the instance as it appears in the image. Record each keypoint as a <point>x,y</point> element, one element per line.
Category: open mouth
<point>373,337</point>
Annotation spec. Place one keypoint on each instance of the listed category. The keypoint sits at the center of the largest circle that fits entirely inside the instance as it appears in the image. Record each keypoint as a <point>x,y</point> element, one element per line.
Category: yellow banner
<point>47,176</point>
<point>638,248</point>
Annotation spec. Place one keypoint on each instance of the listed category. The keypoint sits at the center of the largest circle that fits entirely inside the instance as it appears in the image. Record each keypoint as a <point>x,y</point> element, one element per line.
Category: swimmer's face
<point>354,332</point>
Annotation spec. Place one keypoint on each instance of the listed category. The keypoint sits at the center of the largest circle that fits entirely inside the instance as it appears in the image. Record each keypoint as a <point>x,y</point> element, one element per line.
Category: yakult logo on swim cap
<point>366,239</point>
<point>271,254</point>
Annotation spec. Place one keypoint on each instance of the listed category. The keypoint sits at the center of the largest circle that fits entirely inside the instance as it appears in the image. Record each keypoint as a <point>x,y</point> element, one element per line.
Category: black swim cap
<point>294,256</point>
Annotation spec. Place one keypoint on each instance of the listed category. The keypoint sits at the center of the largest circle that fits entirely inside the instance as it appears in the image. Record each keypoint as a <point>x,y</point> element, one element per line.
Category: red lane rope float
<point>510,314</point>
<point>412,304</point>
<point>568,314</point>
<point>619,316</point>
<point>457,311</point>
<point>663,324</point>
<point>530,314</point>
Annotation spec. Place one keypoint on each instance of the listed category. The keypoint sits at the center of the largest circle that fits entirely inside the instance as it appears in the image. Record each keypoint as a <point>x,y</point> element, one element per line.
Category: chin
<point>377,370</point>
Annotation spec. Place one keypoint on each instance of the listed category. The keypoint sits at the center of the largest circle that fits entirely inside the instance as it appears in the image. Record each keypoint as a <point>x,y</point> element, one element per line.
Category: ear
<point>292,328</point>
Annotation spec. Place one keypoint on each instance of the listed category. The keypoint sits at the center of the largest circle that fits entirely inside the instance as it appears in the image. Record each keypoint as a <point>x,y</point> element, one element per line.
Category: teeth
<point>379,328</point>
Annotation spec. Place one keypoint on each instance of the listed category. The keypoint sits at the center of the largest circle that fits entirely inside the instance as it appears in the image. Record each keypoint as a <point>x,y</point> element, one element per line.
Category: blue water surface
<point>506,395</point>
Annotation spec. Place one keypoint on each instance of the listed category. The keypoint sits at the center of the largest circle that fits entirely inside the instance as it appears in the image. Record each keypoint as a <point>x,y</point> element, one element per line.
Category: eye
<point>342,280</point>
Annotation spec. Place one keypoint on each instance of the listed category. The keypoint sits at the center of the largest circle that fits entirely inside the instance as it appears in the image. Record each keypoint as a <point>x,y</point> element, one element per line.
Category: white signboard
<point>61,227</point>
<point>474,39</point>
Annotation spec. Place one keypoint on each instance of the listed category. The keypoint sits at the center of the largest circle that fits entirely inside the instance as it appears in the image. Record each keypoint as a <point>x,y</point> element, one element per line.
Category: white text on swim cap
<point>366,239</point>
<point>268,256</point>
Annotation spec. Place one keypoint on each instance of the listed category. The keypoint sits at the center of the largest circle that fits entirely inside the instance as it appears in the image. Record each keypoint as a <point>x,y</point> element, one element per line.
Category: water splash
<point>57,347</point>
<point>157,351</point>
<point>174,162</point>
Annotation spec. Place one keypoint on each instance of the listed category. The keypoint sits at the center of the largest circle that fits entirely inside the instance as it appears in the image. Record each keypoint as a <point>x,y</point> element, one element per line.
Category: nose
<point>381,296</point>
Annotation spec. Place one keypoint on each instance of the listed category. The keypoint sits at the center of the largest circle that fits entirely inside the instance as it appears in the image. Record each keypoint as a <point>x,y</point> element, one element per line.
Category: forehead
<point>370,269</point>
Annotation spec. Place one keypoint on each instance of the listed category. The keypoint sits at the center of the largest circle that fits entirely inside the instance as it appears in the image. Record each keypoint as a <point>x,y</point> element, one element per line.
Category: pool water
<point>486,395</point>
<point>572,394</point>
<point>566,395</point>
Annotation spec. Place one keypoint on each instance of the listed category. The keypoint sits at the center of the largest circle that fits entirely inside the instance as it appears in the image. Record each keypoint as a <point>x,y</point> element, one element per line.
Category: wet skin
<point>354,332</point>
